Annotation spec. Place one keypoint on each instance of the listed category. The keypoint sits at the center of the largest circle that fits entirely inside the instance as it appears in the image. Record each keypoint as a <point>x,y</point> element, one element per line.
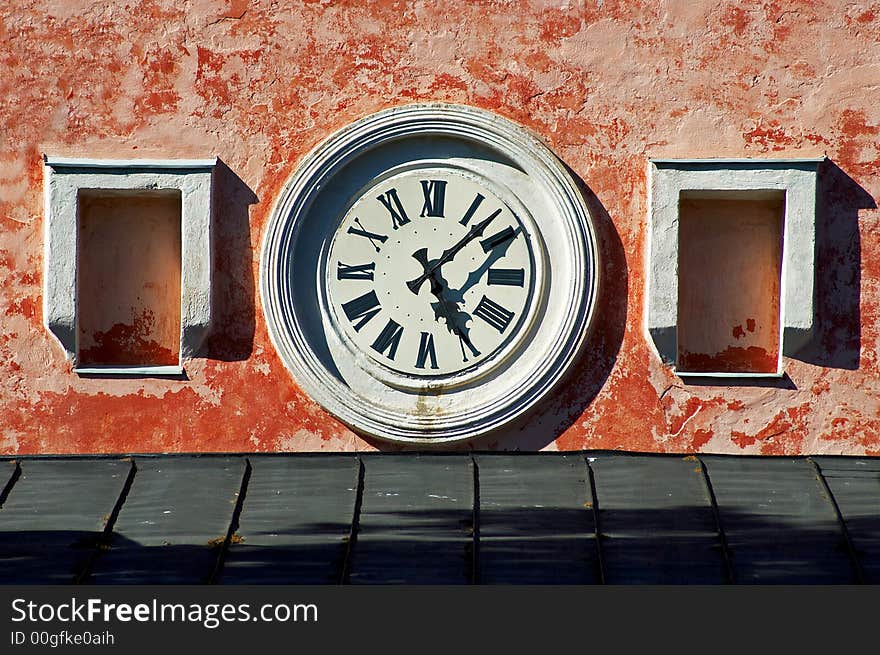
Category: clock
<point>429,274</point>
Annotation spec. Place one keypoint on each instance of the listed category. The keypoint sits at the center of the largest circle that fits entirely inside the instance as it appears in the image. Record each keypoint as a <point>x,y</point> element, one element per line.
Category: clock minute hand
<point>421,255</point>
<point>497,253</point>
<point>475,231</point>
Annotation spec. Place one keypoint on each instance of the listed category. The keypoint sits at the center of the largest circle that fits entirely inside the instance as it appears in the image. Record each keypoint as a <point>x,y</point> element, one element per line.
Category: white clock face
<point>430,273</point>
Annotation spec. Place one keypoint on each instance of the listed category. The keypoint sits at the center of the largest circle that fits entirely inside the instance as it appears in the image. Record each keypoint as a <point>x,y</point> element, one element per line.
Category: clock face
<point>431,274</point>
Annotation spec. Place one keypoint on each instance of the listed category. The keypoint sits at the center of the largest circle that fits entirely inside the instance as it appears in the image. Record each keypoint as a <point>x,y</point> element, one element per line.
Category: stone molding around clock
<point>314,200</point>
<point>64,179</point>
<point>669,180</point>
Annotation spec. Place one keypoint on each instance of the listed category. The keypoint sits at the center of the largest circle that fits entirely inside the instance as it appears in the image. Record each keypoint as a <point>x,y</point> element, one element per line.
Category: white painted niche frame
<point>305,216</point>
<point>64,178</point>
<point>667,179</point>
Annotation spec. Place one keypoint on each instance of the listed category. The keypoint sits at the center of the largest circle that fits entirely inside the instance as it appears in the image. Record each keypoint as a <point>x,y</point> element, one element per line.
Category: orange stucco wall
<point>605,86</point>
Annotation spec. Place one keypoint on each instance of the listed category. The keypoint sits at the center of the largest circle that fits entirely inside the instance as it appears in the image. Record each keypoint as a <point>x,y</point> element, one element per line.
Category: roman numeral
<point>426,350</point>
<point>363,307</point>
<point>394,207</point>
<point>435,196</point>
<point>512,277</point>
<point>469,214</point>
<point>498,239</point>
<point>464,340</point>
<point>372,236</point>
<point>358,271</point>
<point>388,339</point>
<point>493,313</point>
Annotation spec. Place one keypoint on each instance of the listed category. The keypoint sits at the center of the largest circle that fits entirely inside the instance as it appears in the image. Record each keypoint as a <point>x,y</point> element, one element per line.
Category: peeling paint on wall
<point>606,85</point>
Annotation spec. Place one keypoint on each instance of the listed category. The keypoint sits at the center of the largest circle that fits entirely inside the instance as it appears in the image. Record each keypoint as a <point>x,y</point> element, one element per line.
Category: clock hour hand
<point>447,308</point>
<point>428,267</point>
<point>421,256</point>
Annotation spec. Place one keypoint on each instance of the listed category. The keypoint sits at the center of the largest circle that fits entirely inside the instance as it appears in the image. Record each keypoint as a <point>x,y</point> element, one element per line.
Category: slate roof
<point>547,518</point>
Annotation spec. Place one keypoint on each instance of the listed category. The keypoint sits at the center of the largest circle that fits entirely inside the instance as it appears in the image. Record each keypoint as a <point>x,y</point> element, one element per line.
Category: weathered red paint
<point>732,359</point>
<point>128,345</point>
<point>605,85</point>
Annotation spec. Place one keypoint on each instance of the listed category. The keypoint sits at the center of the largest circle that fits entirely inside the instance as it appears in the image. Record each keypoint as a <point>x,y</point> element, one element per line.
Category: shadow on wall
<point>594,363</point>
<point>837,336</point>
<point>547,545</point>
<point>233,286</point>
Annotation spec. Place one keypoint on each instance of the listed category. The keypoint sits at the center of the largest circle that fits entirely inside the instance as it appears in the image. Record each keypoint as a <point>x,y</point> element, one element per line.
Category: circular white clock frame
<point>328,361</point>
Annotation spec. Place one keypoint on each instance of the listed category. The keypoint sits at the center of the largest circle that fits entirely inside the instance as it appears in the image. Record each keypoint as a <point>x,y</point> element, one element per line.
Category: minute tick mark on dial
<point>372,236</point>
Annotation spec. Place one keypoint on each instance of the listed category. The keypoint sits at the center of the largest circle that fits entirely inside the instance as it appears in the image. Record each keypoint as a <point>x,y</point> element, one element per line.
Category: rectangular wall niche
<point>128,295</point>
<point>731,255</point>
<point>729,266</point>
<point>127,260</point>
